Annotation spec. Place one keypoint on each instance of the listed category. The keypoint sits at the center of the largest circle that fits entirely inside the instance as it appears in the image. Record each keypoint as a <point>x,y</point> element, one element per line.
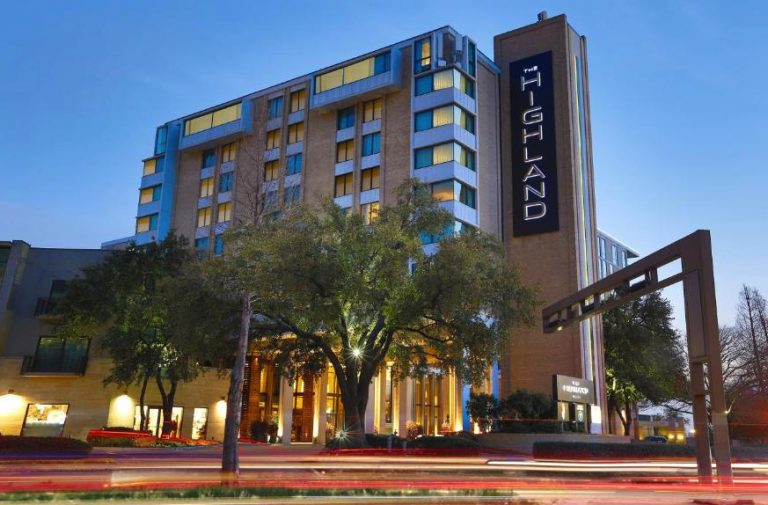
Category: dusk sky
<point>678,97</point>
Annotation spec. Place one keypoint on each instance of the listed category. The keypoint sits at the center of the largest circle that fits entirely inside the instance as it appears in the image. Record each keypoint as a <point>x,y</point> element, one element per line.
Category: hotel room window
<point>295,133</point>
<point>369,179</point>
<point>206,187</point>
<point>146,223</point>
<point>370,212</point>
<point>203,217</point>
<point>345,151</point>
<point>275,107</point>
<point>293,164</point>
<point>148,195</point>
<point>228,152</point>
<point>224,212</point>
<point>422,55</point>
<point>343,185</point>
<point>372,110</point>
<point>345,118</point>
<point>225,182</point>
<point>371,144</point>
<point>209,158</point>
<point>271,171</point>
<point>273,139</point>
<point>298,100</point>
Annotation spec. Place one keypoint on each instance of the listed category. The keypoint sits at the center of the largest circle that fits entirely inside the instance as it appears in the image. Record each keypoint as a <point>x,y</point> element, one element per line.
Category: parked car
<point>655,438</point>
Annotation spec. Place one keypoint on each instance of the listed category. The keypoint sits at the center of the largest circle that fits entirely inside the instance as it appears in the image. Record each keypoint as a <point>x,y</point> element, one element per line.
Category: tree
<point>161,322</point>
<point>752,335</point>
<point>327,287</point>
<point>527,406</point>
<point>644,356</point>
<point>483,409</point>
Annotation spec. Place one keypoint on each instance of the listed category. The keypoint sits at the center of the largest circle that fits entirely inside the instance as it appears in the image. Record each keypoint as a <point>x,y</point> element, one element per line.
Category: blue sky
<point>678,100</point>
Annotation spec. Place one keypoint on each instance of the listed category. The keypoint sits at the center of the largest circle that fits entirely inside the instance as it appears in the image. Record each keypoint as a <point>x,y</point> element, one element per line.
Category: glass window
<point>270,199</point>
<point>146,223</point>
<point>271,170</point>
<point>201,246</point>
<point>226,115</point>
<point>295,133</point>
<point>370,212</point>
<point>423,85</point>
<point>293,164</point>
<point>445,79</point>
<point>292,194</point>
<point>442,191</point>
<point>61,355</point>
<point>148,195</point>
<point>203,217</point>
<point>226,182</point>
<point>275,107</point>
<point>218,245</point>
<point>206,187</point>
<point>273,139</point>
<point>199,423</point>
<point>224,212</point>
<point>161,139</point>
<point>150,167</point>
<point>382,63</point>
<point>209,158</point>
<point>371,144</point>
<point>343,185</point>
<point>212,119</point>
<point>467,195</point>
<point>369,179</point>
<point>345,118</point>
<point>298,100</point>
<point>423,120</point>
<point>228,152</point>
<point>471,59</point>
<point>45,420</point>
<point>345,151</point>
<point>442,153</point>
<point>372,110</point>
<point>353,72</point>
<point>422,59</point>
<point>328,80</point>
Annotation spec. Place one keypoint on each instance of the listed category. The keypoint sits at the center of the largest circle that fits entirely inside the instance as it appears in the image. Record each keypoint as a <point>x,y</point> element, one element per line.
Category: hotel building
<point>504,144</point>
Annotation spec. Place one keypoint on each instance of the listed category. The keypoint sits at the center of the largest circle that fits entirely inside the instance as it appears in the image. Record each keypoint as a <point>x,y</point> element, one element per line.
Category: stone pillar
<point>286,410</point>
<point>321,420</point>
<point>370,407</point>
<point>405,402</point>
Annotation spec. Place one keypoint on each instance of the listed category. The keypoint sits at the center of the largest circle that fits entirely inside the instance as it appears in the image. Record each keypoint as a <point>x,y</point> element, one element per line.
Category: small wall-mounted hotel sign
<point>573,389</point>
<point>534,167</point>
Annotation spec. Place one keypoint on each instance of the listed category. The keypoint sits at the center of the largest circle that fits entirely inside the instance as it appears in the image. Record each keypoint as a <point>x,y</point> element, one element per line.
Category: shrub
<point>259,431</point>
<point>111,441</point>
<point>16,444</point>
<point>526,405</point>
<point>483,409</point>
<point>536,426</point>
<point>413,430</point>
<point>379,441</point>
<point>451,442</point>
<point>579,450</point>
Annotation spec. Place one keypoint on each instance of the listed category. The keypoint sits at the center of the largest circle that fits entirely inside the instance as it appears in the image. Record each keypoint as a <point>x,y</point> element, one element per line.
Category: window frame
<point>348,147</point>
<point>224,212</point>
<point>206,213</point>
<point>371,144</point>
<point>206,183</point>
<point>298,100</point>
<point>295,133</point>
<point>373,180</point>
<point>347,186</point>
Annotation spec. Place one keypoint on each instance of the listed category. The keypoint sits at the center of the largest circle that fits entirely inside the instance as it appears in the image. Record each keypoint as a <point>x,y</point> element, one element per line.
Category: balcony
<point>65,366</point>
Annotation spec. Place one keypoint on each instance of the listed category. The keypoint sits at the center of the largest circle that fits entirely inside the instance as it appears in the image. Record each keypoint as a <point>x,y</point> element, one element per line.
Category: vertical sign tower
<point>548,199</point>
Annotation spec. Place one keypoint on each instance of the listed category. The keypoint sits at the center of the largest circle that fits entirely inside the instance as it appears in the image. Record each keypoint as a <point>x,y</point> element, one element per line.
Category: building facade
<point>53,386</point>
<point>504,144</point>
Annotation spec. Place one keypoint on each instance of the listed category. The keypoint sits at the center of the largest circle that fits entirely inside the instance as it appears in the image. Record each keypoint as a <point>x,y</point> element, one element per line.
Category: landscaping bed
<point>125,437</point>
<point>43,445</point>
<point>594,450</point>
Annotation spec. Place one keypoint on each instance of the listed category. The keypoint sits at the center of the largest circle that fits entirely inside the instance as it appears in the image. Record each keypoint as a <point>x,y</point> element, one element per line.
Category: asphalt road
<point>306,468</point>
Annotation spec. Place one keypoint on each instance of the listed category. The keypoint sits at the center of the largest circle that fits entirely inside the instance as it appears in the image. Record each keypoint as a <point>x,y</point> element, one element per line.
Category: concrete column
<point>370,407</point>
<point>404,400</point>
<point>321,420</point>
<point>286,410</point>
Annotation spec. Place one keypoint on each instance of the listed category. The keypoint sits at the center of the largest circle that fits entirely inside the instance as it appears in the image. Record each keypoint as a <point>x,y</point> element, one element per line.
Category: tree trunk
<point>354,429</point>
<point>169,424</point>
<point>143,421</point>
<point>230,468</point>
<point>758,366</point>
<point>628,422</point>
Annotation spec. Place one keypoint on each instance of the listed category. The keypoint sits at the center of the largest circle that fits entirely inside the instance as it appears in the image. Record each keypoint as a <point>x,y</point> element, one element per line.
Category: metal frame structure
<point>642,277</point>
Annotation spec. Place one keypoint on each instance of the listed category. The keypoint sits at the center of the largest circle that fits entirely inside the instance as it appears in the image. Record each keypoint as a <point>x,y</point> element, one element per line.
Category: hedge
<point>443,443</point>
<point>536,426</point>
<point>16,444</point>
<point>580,450</point>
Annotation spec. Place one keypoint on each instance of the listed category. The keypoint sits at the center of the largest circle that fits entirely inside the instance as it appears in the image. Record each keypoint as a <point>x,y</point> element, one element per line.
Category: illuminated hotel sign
<point>534,168</point>
<point>573,389</point>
